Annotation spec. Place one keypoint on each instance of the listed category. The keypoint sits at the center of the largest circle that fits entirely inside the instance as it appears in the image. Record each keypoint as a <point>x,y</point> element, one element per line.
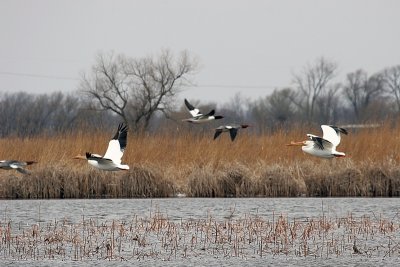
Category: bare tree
<point>361,90</point>
<point>236,108</point>
<point>328,105</point>
<point>311,84</point>
<point>107,85</point>
<point>353,90</point>
<point>26,114</point>
<point>279,106</point>
<point>135,89</point>
<point>273,110</point>
<point>392,83</point>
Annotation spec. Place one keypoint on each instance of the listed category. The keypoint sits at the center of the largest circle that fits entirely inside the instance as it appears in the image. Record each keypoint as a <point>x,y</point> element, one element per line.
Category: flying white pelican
<point>111,161</point>
<point>325,146</point>
<point>15,165</point>
<point>232,129</point>
<point>198,117</point>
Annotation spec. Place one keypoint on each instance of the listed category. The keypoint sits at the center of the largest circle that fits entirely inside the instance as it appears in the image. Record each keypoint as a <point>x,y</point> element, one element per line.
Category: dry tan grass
<point>196,165</point>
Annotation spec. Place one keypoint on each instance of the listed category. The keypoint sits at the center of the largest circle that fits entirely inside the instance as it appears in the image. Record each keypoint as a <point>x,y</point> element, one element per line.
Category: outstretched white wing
<point>117,145</point>
<point>114,152</point>
<point>330,134</point>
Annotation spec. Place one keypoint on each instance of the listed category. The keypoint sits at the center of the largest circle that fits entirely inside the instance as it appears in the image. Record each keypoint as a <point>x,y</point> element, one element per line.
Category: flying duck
<point>325,146</point>
<point>198,117</point>
<point>15,165</point>
<point>111,161</point>
<point>232,129</point>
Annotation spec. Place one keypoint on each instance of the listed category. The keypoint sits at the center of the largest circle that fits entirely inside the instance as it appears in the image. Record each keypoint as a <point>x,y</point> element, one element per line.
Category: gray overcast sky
<point>246,46</point>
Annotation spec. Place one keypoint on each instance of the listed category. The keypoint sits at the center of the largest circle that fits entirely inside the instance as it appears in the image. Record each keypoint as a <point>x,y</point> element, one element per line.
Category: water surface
<point>22,214</point>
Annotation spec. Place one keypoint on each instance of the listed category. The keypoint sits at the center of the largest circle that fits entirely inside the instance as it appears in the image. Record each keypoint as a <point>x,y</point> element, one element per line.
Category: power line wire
<point>235,86</point>
<point>38,76</point>
<point>20,74</point>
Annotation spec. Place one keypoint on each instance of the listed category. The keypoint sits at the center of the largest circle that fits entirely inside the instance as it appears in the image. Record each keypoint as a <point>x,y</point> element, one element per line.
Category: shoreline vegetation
<point>194,165</point>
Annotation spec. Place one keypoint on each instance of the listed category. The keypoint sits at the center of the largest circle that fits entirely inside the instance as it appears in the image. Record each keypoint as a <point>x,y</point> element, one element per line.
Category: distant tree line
<point>144,92</point>
<point>24,115</point>
<point>316,98</point>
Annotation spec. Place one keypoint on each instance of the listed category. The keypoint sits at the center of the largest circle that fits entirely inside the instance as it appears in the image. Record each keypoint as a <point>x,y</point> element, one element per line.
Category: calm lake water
<point>21,215</point>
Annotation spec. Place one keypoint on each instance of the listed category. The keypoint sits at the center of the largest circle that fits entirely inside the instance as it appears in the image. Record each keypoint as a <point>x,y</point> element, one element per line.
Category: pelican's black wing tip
<point>339,129</point>
<point>188,105</point>
<point>121,135</point>
<point>122,127</point>
<point>122,131</point>
<point>343,131</point>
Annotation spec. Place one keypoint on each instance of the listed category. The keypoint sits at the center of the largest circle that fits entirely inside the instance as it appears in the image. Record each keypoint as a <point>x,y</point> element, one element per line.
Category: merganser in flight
<point>111,161</point>
<point>232,129</point>
<point>325,146</point>
<point>15,165</point>
<point>199,117</point>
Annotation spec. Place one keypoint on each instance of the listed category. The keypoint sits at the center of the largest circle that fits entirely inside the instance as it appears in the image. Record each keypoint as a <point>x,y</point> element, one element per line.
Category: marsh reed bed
<point>193,164</point>
<point>158,237</point>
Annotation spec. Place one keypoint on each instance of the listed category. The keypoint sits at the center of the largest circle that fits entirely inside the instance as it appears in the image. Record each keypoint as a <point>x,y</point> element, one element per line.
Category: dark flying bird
<point>15,165</point>
<point>232,129</point>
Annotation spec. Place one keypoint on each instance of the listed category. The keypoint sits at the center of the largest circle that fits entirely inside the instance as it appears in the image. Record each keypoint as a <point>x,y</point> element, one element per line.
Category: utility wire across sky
<point>33,75</point>
<point>38,76</point>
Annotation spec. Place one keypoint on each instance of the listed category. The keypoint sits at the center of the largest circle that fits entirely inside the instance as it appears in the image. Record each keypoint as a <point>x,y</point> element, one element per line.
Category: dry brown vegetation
<point>158,237</point>
<point>196,165</point>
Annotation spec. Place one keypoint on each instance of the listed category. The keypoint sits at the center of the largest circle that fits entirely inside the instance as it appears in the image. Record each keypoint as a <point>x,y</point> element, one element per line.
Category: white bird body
<point>328,150</point>
<point>324,147</point>
<point>106,164</point>
<point>111,161</point>
<point>198,117</point>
